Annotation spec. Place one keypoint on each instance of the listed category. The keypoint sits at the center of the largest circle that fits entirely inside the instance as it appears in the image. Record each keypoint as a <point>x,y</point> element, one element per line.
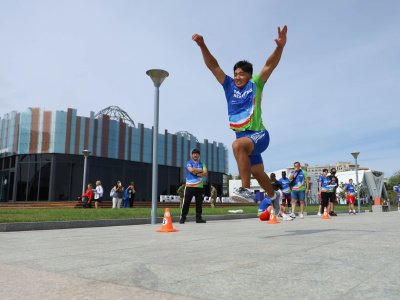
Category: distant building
<point>41,155</point>
<point>339,166</point>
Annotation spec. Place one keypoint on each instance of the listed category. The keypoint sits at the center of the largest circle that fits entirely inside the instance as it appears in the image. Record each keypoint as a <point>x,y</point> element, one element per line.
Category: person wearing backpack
<point>117,193</point>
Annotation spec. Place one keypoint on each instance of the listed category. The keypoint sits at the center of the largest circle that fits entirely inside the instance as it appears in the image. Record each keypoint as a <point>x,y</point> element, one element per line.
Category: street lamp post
<point>85,153</point>
<point>355,155</point>
<point>158,77</point>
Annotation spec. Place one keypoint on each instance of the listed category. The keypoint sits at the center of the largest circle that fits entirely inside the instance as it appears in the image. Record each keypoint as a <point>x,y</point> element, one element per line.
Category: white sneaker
<point>301,216</point>
<point>285,217</point>
<point>292,215</point>
<point>319,214</point>
<point>243,195</point>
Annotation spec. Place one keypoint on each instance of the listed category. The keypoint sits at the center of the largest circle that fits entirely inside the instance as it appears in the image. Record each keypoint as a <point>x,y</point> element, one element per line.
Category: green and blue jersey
<point>244,104</point>
<point>300,181</point>
<point>191,179</point>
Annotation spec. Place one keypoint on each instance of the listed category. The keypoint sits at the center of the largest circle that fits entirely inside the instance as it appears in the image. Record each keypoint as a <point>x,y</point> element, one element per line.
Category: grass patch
<point>68,214</point>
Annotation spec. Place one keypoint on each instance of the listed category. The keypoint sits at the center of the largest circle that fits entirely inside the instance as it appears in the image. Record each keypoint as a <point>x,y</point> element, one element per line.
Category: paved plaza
<point>347,257</point>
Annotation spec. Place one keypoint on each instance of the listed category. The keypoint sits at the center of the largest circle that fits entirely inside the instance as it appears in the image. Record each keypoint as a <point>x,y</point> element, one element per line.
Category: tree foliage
<point>393,180</point>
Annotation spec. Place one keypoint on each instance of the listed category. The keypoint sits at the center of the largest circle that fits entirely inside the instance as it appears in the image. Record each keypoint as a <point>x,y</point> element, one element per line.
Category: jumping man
<point>243,94</point>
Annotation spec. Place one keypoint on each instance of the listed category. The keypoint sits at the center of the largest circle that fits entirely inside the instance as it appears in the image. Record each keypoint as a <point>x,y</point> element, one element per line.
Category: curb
<point>27,226</point>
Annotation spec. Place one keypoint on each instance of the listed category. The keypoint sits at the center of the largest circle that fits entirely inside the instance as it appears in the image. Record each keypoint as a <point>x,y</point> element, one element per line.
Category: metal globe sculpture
<point>116,113</point>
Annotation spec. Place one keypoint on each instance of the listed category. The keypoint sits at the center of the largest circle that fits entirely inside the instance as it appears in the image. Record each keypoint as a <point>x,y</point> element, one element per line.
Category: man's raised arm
<point>275,57</point>
<point>209,60</point>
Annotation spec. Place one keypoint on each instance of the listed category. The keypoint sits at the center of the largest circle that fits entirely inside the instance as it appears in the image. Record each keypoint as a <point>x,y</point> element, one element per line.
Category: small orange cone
<point>167,223</point>
<point>325,216</point>
<point>272,218</point>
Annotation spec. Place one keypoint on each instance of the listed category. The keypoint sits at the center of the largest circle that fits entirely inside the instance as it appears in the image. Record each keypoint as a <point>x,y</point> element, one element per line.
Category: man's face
<point>195,156</point>
<point>241,77</point>
<point>351,181</point>
<point>296,166</point>
<point>284,174</point>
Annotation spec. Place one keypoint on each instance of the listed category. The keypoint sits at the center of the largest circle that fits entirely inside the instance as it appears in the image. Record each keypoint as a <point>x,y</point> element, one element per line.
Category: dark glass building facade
<point>41,156</point>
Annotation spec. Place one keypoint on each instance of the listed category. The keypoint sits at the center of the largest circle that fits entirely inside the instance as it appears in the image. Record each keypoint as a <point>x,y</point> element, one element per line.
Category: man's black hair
<point>196,151</point>
<point>244,65</point>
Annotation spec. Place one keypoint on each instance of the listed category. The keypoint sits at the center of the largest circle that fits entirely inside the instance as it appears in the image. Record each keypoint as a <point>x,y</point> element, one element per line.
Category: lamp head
<point>355,154</point>
<point>86,152</point>
<point>157,75</point>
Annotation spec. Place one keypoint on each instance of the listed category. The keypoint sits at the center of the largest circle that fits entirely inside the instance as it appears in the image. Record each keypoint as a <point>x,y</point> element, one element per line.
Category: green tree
<point>393,180</point>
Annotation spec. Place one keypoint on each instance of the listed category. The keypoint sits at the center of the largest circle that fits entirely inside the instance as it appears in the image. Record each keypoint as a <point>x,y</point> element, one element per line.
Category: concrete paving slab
<point>346,257</point>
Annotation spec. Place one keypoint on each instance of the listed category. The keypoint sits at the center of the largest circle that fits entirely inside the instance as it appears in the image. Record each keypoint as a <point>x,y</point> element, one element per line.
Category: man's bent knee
<point>243,145</point>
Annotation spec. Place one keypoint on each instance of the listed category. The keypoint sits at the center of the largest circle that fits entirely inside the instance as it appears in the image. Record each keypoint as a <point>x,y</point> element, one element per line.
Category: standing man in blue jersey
<point>351,198</point>
<point>195,171</point>
<point>286,191</point>
<point>243,94</point>
<point>323,191</point>
<point>301,186</point>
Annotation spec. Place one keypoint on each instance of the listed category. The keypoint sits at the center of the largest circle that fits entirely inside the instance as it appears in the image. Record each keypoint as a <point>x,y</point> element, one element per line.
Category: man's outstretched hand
<point>281,40</point>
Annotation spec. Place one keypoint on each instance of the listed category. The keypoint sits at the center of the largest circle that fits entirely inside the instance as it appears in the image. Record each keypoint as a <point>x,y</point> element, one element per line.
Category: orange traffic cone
<point>325,216</point>
<point>272,218</point>
<point>167,223</point>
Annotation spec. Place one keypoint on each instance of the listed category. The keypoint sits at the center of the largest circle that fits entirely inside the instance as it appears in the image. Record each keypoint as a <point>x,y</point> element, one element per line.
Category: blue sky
<point>335,91</point>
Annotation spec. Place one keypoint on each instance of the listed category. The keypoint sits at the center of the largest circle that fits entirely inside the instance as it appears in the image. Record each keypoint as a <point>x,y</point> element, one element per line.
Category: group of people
<point>295,188</point>
<point>119,194</point>
<point>293,191</point>
<point>91,195</point>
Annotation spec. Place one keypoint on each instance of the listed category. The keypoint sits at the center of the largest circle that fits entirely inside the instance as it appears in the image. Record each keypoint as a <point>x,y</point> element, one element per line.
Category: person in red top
<point>89,196</point>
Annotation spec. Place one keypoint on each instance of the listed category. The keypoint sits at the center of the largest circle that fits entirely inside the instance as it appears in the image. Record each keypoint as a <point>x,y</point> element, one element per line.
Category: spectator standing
<point>286,192</point>
<point>350,191</point>
<point>129,195</point>
<point>323,191</point>
<point>117,193</point>
<point>88,197</point>
<point>333,184</point>
<point>301,186</point>
<point>132,194</point>
<point>195,171</point>
<point>213,196</point>
<point>98,194</point>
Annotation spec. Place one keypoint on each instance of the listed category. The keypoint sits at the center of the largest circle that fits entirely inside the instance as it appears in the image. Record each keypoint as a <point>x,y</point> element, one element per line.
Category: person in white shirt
<point>98,194</point>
